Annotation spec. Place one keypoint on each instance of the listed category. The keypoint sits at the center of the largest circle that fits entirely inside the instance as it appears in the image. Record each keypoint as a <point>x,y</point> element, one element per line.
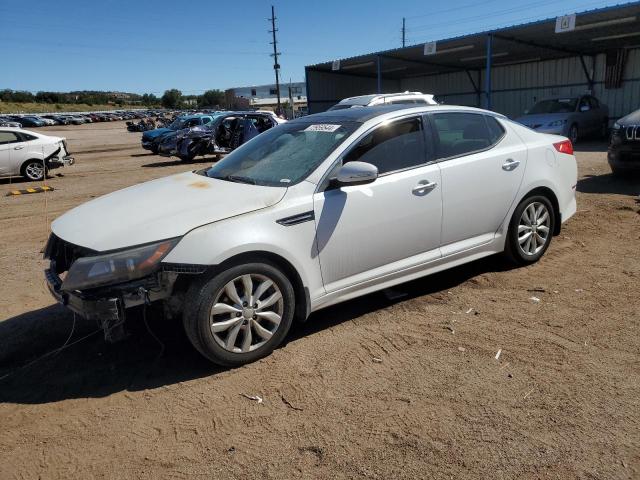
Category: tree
<point>172,98</point>
<point>211,98</point>
<point>149,99</point>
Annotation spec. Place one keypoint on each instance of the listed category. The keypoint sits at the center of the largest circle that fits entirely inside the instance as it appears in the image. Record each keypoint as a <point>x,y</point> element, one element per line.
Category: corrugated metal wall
<point>328,88</point>
<point>515,87</point>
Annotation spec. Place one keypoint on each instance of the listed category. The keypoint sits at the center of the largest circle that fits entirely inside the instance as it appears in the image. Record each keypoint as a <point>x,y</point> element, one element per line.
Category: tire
<point>518,248</point>
<point>154,149</point>
<point>574,134</point>
<point>186,158</point>
<point>34,170</point>
<point>222,337</point>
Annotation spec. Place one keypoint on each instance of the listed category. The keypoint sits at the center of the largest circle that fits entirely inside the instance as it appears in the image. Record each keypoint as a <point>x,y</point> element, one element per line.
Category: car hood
<point>151,134</point>
<point>541,118</point>
<point>164,208</point>
<point>632,119</point>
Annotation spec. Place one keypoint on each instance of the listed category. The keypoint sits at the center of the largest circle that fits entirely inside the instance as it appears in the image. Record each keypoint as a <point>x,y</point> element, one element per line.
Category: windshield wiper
<point>237,178</point>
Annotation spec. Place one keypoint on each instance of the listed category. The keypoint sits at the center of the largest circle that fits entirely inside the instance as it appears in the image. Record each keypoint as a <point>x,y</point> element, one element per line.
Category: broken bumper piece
<point>107,312</point>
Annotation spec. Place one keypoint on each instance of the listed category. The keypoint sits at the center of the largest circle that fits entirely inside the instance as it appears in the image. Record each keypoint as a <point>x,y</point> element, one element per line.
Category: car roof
<point>366,99</point>
<point>350,114</point>
<point>364,114</point>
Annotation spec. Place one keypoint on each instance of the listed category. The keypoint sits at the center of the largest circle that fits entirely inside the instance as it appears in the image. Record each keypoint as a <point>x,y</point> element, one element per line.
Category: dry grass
<point>9,107</point>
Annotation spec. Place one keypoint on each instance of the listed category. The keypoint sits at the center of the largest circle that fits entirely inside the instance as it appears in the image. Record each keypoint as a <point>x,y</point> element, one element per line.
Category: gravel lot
<point>402,385</point>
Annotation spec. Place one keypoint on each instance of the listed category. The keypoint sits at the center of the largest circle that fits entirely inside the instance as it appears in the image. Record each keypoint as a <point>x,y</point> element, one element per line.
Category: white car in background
<point>403,98</point>
<point>30,154</point>
<point>311,213</point>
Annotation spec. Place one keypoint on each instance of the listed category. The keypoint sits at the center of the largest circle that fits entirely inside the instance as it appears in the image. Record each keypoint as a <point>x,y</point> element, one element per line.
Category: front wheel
<point>530,230</point>
<point>573,134</point>
<point>34,170</point>
<point>239,315</point>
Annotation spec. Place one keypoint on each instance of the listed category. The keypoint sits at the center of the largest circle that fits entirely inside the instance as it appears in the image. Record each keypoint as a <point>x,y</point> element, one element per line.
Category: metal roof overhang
<point>596,31</point>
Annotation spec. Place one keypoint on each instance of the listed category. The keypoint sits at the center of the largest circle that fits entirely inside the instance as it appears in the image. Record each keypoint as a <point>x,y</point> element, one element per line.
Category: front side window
<point>283,155</point>
<point>464,133</point>
<point>394,146</point>
<point>8,137</point>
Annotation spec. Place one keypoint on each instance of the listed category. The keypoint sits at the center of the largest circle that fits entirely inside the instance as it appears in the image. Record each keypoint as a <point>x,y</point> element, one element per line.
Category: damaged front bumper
<point>107,305</point>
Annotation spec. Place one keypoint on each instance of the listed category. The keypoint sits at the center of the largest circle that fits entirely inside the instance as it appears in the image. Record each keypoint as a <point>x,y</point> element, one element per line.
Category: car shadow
<point>610,183</point>
<point>12,180</point>
<point>150,154</point>
<point>598,146</point>
<point>159,356</point>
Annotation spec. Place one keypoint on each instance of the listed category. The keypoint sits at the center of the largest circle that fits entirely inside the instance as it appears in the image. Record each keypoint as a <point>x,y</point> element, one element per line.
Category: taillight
<point>564,147</point>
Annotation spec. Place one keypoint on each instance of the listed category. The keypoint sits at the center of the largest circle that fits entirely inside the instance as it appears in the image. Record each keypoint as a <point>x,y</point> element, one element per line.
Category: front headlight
<point>557,123</point>
<point>117,267</point>
<point>617,126</point>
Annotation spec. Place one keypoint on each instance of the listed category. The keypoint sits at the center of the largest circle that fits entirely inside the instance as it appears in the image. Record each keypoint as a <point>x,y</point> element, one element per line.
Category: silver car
<point>571,117</point>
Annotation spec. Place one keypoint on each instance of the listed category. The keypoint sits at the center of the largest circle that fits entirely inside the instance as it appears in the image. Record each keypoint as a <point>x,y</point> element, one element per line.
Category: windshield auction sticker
<point>322,127</point>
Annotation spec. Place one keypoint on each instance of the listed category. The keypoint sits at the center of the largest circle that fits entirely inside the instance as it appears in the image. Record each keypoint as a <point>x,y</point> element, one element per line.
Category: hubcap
<point>534,228</point>
<point>246,313</point>
<point>34,171</point>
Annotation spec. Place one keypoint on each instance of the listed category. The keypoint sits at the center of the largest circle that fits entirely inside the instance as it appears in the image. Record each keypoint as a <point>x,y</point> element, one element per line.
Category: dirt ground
<point>392,385</point>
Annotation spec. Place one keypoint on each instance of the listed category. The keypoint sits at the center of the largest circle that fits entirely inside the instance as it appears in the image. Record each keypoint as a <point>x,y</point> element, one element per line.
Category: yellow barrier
<point>30,190</point>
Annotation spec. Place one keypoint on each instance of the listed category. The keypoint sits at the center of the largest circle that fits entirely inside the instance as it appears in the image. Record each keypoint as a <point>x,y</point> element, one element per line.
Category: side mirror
<point>357,173</point>
<point>585,108</point>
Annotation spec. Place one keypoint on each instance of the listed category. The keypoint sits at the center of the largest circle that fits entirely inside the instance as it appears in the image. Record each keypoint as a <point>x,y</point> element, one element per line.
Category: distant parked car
<point>31,154</point>
<point>572,117</point>
<point>226,133</point>
<point>30,121</point>
<point>151,139</point>
<point>624,146</point>
<point>403,98</point>
<point>8,122</point>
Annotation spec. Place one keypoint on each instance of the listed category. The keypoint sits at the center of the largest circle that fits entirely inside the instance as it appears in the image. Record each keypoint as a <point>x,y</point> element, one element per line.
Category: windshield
<point>561,105</point>
<point>283,155</point>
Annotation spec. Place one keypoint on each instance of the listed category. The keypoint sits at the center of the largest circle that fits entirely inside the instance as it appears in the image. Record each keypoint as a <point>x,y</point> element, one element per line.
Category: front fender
<point>218,242</point>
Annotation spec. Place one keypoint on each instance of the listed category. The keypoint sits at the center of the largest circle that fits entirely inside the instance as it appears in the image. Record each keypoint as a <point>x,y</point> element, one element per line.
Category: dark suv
<point>624,146</point>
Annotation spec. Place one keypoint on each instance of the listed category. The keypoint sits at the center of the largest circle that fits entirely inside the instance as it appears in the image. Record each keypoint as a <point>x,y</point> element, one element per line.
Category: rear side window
<point>391,147</point>
<point>495,129</point>
<point>8,137</point>
<point>27,138</point>
<point>464,133</point>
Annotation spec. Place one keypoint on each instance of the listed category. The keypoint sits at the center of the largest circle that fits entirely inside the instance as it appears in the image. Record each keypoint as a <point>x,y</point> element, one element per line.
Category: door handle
<point>423,187</point>
<point>20,147</point>
<point>510,164</point>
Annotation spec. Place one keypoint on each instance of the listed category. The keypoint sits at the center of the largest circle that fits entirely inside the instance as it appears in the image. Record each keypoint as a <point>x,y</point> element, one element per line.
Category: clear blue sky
<point>195,45</point>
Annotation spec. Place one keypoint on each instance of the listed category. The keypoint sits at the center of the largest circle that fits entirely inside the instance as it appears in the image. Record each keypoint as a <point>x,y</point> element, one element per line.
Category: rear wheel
<point>239,315</point>
<point>530,230</point>
<point>34,170</point>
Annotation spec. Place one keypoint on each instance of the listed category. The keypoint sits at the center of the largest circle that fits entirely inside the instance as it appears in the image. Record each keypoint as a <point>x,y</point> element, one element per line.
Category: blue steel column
<point>487,77</point>
<point>379,68</point>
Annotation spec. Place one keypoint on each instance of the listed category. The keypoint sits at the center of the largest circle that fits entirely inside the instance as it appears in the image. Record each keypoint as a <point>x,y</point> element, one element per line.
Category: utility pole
<point>275,54</point>
<point>404,32</point>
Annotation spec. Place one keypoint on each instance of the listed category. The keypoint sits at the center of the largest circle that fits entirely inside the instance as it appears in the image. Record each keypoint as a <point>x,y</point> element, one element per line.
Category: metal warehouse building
<point>505,70</point>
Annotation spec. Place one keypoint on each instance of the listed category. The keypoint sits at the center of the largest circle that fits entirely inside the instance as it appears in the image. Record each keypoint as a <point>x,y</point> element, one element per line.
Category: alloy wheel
<point>34,171</point>
<point>246,313</point>
<point>534,228</point>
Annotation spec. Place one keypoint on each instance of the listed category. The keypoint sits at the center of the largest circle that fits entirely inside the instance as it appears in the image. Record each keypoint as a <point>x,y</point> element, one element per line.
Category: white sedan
<point>30,154</point>
<point>311,213</point>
